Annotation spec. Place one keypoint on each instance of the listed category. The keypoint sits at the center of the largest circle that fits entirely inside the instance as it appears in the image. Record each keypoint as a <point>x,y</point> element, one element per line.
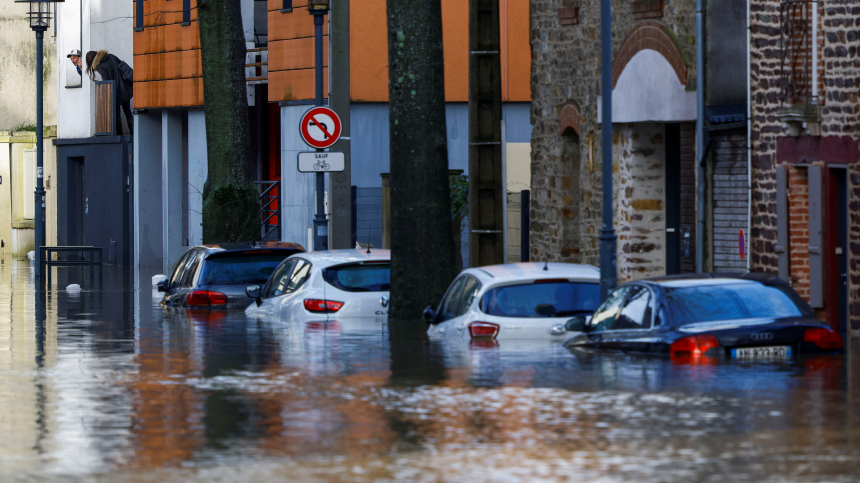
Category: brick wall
<point>566,68</point>
<point>798,222</point>
<point>839,67</point>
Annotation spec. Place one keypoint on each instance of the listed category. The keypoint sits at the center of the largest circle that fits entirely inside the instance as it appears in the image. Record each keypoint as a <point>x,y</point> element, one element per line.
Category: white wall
<point>297,189</point>
<point>107,25</point>
<point>649,90</point>
<point>18,69</point>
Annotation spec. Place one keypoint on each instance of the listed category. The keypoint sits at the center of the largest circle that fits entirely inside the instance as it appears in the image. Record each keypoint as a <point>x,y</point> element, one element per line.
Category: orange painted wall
<point>369,51</point>
<point>167,67</point>
<point>291,52</point>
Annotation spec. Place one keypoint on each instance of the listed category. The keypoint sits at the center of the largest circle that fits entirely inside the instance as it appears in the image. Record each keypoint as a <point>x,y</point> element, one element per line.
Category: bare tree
<point>422,247</point>
<point>229,196</point>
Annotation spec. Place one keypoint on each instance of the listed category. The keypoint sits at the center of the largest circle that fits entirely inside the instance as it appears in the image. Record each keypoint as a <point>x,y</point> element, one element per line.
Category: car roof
<point>532,270</point>
<point>327,258</point>
<point>702,282</point>
<point>245,246</point>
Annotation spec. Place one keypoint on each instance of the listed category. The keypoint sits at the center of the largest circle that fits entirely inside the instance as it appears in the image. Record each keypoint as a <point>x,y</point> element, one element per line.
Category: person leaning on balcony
<point>110,67</point>
<point>75,57</point>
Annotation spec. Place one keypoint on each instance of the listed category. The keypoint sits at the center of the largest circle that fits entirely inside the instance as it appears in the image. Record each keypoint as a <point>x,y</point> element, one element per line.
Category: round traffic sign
<point>320,127</point>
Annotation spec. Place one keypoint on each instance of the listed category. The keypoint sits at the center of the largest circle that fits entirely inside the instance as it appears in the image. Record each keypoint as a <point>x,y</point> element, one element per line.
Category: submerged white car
<point>515,301</point>
<point>325,285</point>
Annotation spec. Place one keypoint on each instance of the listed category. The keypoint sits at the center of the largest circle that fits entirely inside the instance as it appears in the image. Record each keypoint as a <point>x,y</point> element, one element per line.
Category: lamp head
<point>40,13</point>
<point>318,5</point>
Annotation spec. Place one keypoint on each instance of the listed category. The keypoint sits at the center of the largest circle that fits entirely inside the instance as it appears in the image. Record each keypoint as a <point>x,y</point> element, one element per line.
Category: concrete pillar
<point>198,171</point>
<point>171,186</point>
<point>148,229</point>
<point>297,193</point>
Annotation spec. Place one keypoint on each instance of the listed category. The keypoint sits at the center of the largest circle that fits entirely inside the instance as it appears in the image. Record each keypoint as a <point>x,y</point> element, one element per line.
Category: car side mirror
<point>253,291</point>
<point>161,286</point>
<point>576,324</point>
<point>430,315</point>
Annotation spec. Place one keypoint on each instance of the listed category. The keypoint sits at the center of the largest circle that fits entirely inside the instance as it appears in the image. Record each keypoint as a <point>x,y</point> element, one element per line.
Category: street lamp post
<point>40,19</point>
<point>319,8</point>
<point>608,267</point>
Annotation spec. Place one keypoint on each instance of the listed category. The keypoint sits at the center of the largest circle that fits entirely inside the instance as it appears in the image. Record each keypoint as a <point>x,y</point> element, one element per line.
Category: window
<point>708,303</point>
<point>178,267</point>
<point>555,299</point>
<point>359,278</point>
<point>636,313</point>
<point>608,311</point>
<point>451,300</point>
<point>280,278</point>
<point>190,269</point>
<point>299,276</point>
<point>470,290</point>
<point>240,268</point>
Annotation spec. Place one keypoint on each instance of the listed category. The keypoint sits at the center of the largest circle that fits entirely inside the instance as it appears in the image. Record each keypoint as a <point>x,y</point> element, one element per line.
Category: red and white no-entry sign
<point>320,127</point>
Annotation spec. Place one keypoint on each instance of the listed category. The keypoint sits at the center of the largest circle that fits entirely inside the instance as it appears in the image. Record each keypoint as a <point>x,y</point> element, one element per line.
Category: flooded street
<point>108,386</point>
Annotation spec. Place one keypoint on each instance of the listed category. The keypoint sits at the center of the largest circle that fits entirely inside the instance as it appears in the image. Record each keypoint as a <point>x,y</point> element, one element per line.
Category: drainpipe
<point>749,135</point>
<point>700,136</point>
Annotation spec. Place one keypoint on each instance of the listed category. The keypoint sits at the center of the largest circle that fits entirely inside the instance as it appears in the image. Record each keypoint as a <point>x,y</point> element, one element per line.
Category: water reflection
<point>106,383</point>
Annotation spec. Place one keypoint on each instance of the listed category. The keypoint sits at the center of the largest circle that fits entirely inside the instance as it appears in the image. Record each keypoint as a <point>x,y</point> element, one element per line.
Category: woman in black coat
<point>110,67</point>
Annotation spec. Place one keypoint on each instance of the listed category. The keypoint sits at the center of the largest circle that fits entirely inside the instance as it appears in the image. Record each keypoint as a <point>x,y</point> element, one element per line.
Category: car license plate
<point>772,352</point>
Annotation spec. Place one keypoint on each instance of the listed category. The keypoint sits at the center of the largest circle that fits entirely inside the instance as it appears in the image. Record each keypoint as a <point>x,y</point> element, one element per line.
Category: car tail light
<point>322,306</point>
<point>694,345</point>
<point>204,298</point>
<point>484,330</point>
<point>823,337</point>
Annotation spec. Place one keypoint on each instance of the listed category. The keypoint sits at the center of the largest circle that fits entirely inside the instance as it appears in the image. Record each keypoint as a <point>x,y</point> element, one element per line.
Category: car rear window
<point>729,302</point>
<point>360,278</point>
<point>240,268</point>
<point>557,299</point>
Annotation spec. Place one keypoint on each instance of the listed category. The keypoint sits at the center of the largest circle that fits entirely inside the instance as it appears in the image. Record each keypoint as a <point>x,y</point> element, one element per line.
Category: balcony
<point>798,78</point>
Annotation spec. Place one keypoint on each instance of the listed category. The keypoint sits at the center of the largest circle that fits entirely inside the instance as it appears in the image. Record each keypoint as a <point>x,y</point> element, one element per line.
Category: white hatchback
<point>324,285</point>
<point>515,301</point>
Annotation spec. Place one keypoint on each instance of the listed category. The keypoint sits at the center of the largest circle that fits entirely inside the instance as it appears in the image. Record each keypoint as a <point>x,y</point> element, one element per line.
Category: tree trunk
<point>422,246</point>
<point>230,198</point>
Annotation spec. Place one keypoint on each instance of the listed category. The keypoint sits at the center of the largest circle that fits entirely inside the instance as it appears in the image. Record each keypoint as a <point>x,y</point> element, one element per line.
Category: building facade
<point>654,114</point>
<point>805,124</point>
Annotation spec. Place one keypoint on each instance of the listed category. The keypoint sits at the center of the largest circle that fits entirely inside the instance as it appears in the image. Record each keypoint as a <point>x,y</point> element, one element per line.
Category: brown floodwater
<point>106,385</point>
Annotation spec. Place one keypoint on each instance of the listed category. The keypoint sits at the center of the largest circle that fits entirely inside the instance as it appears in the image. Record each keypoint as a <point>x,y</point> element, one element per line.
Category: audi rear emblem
<point>762,336</point>
<point>383,301</point>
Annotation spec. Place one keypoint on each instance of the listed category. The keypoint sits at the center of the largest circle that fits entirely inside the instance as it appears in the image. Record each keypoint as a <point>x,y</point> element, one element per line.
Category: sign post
<point>320,135</point>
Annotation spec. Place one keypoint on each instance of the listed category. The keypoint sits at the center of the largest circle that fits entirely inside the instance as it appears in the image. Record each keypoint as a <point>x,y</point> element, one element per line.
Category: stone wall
<point>566,69</point>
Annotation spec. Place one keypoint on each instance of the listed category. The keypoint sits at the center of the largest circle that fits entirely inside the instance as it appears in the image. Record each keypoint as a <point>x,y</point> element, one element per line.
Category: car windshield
<point>240,268</point>
<point>360,278</point>
<point>556,299</point>
<point>729,302</point>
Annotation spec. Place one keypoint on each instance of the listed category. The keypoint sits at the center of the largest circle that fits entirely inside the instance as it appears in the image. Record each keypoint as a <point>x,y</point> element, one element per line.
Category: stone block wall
<point>565,70</point>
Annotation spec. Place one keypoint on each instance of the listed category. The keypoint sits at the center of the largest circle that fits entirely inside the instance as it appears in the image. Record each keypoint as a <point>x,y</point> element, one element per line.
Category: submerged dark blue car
<point>753,316</point>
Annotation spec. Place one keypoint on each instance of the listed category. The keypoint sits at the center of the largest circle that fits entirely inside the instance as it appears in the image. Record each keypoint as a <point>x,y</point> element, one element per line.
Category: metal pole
<point>700,137</point>
<point>40,189</point>
<point>608,270</point>
<point>320,223</point>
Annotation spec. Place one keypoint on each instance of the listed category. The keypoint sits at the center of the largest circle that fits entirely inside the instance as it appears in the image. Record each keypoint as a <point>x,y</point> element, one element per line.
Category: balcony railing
<point>270,209</point>
<point>797,63</point>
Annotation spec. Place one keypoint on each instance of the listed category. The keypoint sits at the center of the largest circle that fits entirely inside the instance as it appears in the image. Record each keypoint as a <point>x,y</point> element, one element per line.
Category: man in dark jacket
<point>110,67</point>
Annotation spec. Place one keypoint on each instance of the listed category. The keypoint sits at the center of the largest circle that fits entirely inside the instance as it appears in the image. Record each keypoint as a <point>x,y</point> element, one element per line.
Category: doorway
<point>836,248</point>
<point>673,199</point>
<point>76,203</point>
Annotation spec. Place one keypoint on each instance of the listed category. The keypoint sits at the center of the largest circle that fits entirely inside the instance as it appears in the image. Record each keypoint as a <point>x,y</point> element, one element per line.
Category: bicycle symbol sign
<point>321,162</point>
<point>320,127</point>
